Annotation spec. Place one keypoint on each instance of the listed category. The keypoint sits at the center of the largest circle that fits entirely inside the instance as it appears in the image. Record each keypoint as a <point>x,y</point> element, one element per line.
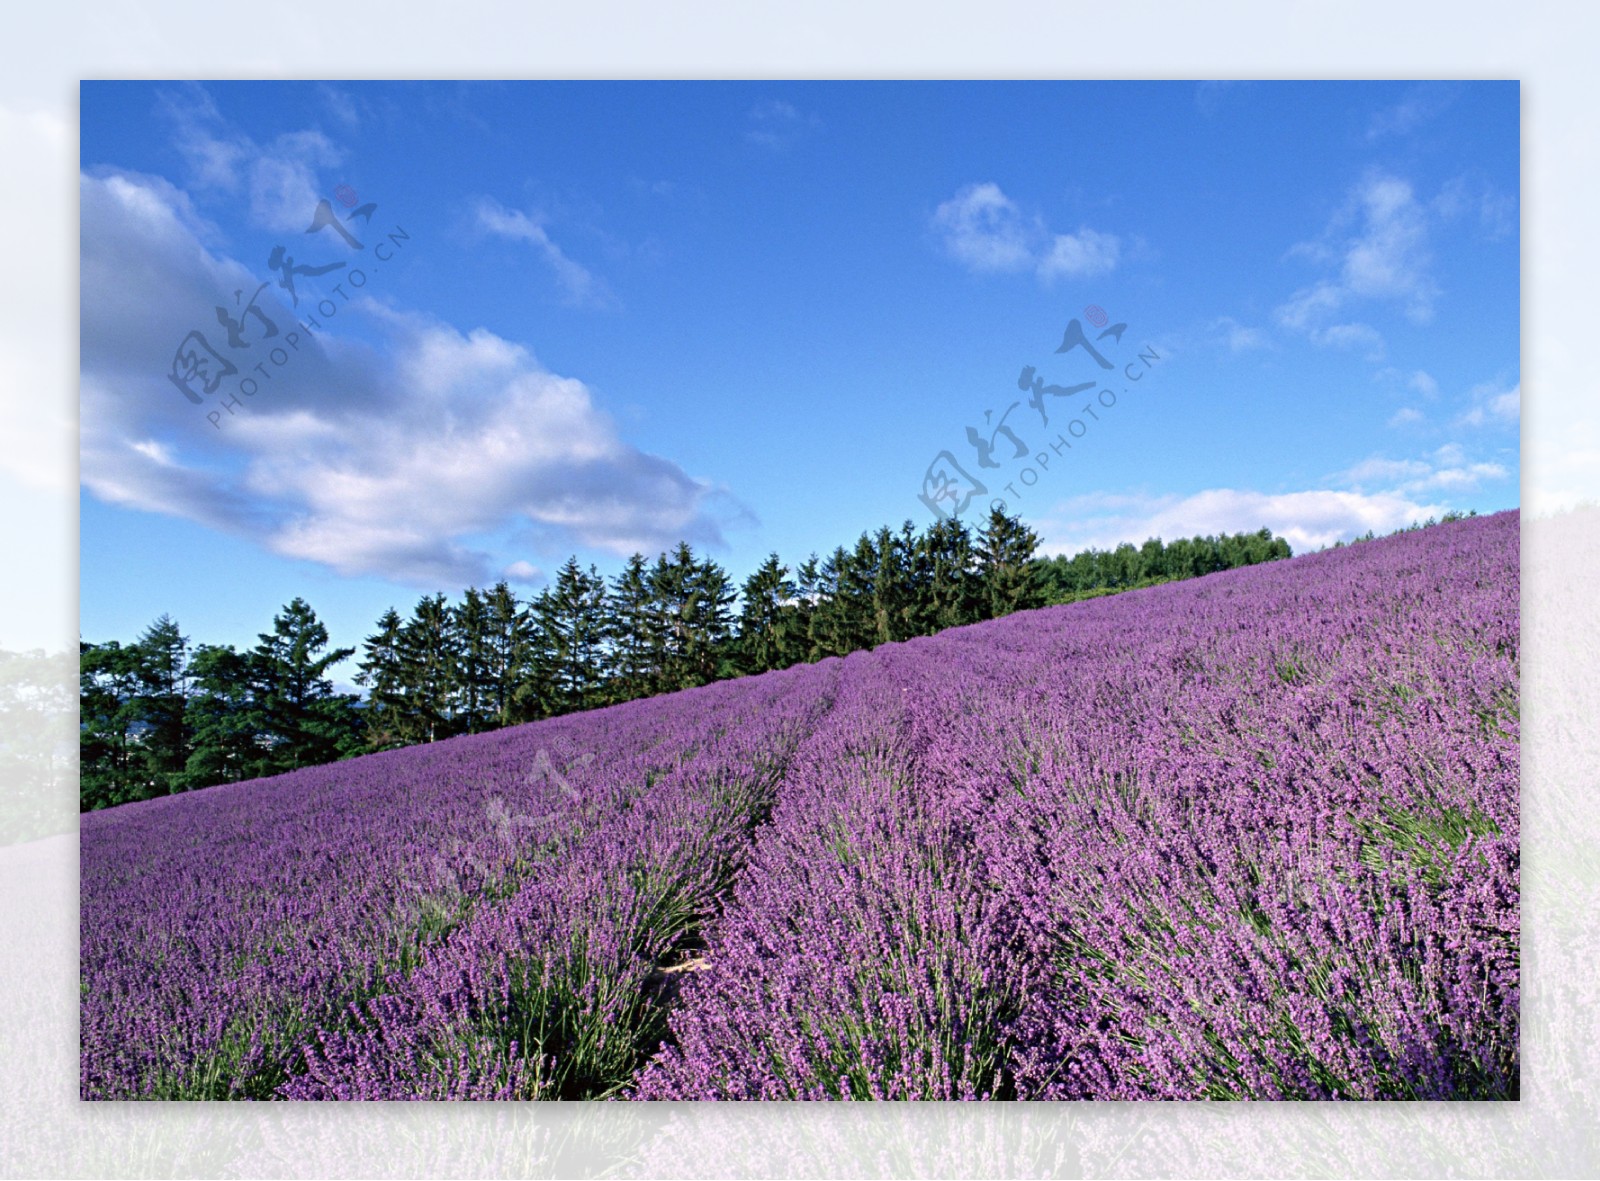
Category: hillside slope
<point>1254,835</point>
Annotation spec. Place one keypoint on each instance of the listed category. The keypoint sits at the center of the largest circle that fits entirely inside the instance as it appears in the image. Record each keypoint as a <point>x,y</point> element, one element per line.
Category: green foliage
<point>158,717</point>
<point>1067,580</point>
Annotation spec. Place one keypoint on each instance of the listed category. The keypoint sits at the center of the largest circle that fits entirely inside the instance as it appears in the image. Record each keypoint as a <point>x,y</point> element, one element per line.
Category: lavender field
<point>1254,835</point>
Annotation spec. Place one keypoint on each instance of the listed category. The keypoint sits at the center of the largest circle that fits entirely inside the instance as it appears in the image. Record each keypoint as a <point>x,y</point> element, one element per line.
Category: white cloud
<point>1080,255</point>
<point>580,287</point>
<point>1447,469</point>
<point>1421,103</point>
<point>280,180</point>
<point>1388,259</point>
<point>1237,337</point>
<point>1306,307</point>
<point>1494,407</point>
<point>1424,384</point>
<point>984,229</point>
<point>1405,416</point>
<point>1462,197</point>
<point>1308,520</point>
<point>392,461</point>
<point>341,104</point>
<point>987,231</point>
<point>524,572</point>
<point>1378,243</point>
<point>1379,494</point>
<point>1351,336</point>
<point>777,124</point>
<point>1385,471</point>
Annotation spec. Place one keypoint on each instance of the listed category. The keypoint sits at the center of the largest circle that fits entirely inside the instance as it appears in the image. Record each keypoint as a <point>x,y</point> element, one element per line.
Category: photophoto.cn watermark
<point>948,488</point>
<point>457,869</point>
<point>252,342</point>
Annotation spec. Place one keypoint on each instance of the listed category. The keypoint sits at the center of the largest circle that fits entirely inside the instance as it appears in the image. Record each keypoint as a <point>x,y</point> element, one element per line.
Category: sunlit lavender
<point>1254,835</point>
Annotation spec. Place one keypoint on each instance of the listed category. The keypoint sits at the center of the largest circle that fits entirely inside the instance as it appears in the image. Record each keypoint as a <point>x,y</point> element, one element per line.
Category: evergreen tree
<point>894,608</point>
<point>429,663</point>
<point>230,728</point>
<point>511,626</point>
<point>108,712</point>
<point>949,571</point>
<point>832,633</point>
<point>162,657</point>
<point>382,676</point>
<point>306,722</point>
<point>572,616</point>
<point>767,619</point>
<point>709,654</point>
<point>807,594</point>
<point>477,673</point>
<point>1005,562</point>
<point>633,620</point>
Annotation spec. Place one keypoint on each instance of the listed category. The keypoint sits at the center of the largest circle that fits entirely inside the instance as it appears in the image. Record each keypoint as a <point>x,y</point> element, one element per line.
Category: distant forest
<point>160,716</point>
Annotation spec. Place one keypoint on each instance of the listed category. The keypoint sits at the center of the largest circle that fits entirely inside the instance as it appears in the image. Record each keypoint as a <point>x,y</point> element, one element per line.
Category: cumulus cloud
<point>987,232</point>
<point>1380,494</point>
<point>1493,406</point>
<point>1308,520</point>
<point>1423,383</point>
<point>579,286</point>
<point>776,124</point>
<point>1421,103</point>
<point>1083,254</point>
<point>983,229</point>
<point>1377,249</point>
<point>1237,337</point>
<point>1446,469</point>
<point>410,458</point>
<point>280,180</point>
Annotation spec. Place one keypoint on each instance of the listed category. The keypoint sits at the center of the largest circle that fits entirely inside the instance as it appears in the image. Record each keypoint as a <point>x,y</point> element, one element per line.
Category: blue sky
<point>753,315</point>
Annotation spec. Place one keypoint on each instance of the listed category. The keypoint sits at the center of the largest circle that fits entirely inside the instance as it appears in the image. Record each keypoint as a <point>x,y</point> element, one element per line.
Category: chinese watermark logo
<point>200,368</point>
<point>948,488</point>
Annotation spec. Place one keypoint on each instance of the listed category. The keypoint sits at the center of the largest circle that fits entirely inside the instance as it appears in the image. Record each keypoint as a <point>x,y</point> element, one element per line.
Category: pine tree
<point>477,674</point>
<point>162,656</point>
<point>572,616</point>
<point>108,690</point>
<point>382,676</point>
<point>511,627</point>
<point>633,621</point>
<point>767,618</point>
<point>429,663</point>
<point>230,727</point>
<point>307,723</point>
<point>1005,563</point>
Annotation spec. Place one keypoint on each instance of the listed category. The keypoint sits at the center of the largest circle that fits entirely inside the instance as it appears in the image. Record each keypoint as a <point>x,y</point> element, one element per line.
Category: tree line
<point>160,716</point>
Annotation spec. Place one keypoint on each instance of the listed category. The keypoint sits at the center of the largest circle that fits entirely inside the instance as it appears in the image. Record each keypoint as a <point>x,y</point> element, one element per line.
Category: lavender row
<point>560,990</point>
<point>1254,836</point>
<point>222,928</point>
<point>858,957</point>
